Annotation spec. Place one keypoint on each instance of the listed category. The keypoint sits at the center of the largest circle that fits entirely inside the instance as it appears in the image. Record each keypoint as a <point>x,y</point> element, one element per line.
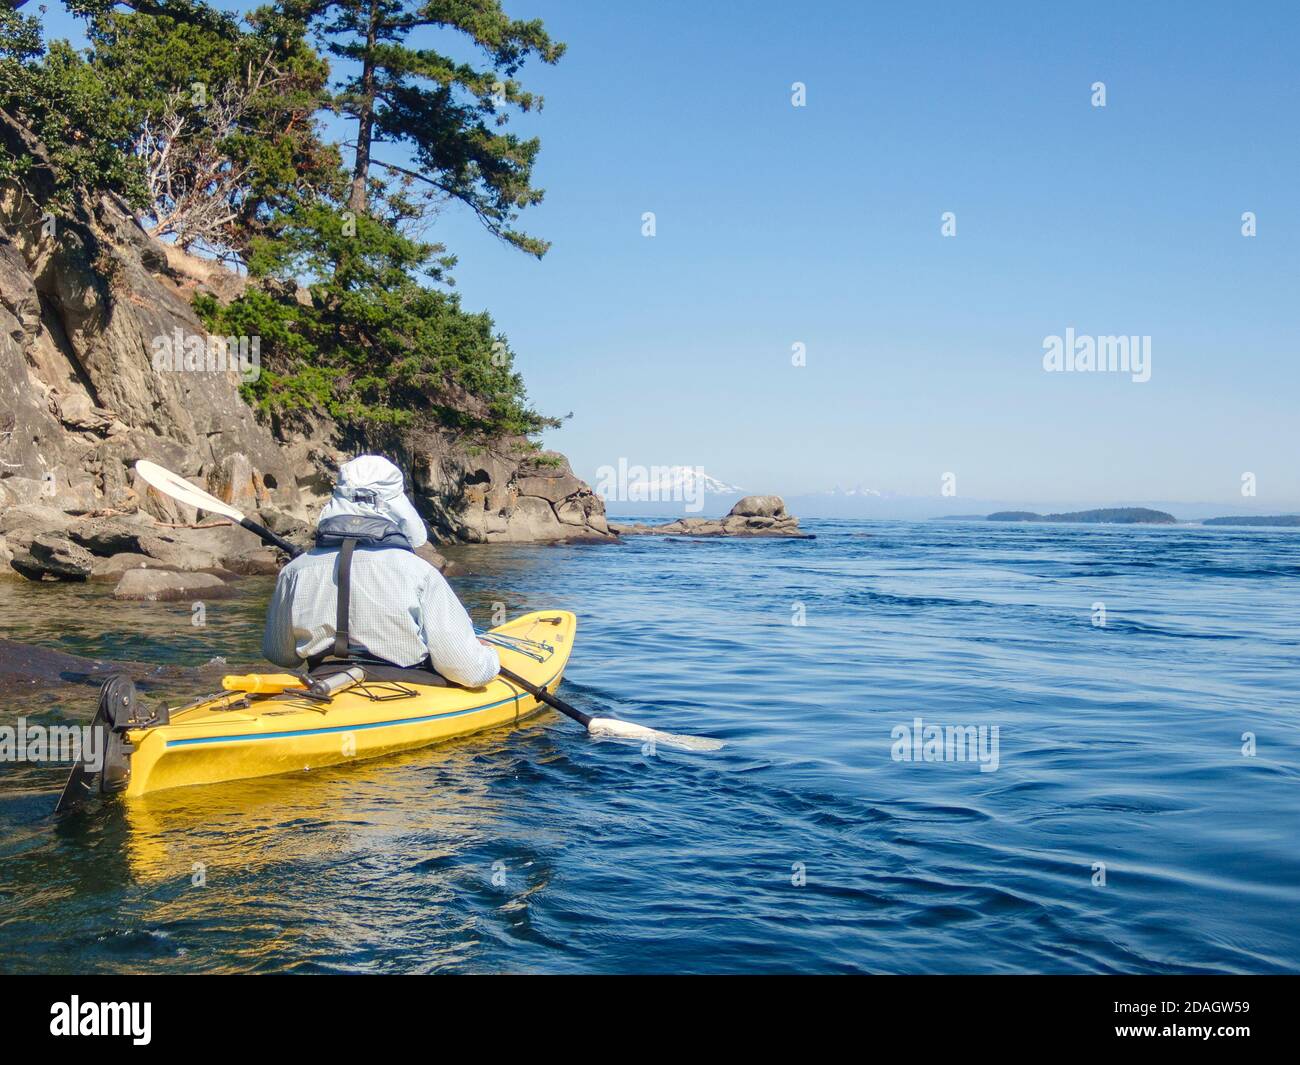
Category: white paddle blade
<point>169,484</point>
<point>628,730</point>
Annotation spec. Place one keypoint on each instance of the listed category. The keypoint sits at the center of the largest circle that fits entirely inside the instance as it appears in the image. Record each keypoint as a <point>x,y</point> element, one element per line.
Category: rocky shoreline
<point>86,301</point>
<point>162,551</point>
<point>149,558</point>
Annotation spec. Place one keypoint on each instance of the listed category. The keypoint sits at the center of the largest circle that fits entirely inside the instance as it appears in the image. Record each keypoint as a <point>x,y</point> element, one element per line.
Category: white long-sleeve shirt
<point>401,611</point>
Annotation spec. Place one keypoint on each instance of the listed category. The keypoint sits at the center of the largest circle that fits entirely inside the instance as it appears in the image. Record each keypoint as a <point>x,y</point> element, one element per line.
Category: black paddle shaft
<point>550,700</point>
<point>268,537</point>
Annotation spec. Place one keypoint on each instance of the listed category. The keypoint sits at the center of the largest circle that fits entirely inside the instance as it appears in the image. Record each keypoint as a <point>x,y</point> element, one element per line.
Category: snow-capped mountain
<point>674,482</point>
<point>858,490</point>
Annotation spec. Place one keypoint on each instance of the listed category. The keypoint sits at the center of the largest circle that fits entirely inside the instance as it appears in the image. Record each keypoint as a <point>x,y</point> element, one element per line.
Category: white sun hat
<point>369,477</point>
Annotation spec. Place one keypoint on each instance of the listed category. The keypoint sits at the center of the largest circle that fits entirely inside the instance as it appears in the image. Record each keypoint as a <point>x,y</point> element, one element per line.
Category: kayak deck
<point>230,737</point>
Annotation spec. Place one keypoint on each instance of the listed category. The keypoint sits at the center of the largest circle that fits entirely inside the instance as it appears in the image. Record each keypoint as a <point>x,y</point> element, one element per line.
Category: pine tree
<point>447,114</point>
<point>194,12</point>
<point>351,311</point>
<point>223,166</point>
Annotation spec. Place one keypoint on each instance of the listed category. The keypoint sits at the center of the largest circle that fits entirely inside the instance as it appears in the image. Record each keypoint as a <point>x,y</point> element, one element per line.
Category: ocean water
<point>1142,813</point>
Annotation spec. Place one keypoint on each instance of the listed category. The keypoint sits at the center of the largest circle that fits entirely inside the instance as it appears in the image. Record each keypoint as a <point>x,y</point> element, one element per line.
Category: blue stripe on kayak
<point>351,728</point>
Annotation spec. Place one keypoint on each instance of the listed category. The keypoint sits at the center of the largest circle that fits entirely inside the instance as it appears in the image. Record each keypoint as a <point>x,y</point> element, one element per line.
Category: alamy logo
<point>922,742</point>
<point>1088,354</point>
<point>654,484</point>
<point>181,352</point>
<point>103,1018</point>
<point>23,742</point>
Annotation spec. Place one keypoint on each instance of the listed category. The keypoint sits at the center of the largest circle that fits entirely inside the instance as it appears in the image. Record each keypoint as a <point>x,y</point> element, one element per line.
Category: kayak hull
<point>232,739</point>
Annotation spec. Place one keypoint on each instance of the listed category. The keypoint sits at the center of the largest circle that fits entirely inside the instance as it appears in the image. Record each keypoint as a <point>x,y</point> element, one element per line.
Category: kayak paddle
<point>180,489</point>
<point>612,726</point>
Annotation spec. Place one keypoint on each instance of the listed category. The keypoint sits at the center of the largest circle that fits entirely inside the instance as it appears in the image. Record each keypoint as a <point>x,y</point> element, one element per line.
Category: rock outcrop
<point>752,516</point>
<point>47,543</point>
<point>87,303</point>
<point>50,555</point>
<point>508,493</point>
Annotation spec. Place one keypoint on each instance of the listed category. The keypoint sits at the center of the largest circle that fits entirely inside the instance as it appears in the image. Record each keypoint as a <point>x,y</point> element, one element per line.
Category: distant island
<point>1110,516</point>
<point>1284,520</point>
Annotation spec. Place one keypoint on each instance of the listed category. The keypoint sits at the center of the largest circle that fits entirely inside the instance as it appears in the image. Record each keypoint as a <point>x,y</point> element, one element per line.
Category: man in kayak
<point>363,593</point>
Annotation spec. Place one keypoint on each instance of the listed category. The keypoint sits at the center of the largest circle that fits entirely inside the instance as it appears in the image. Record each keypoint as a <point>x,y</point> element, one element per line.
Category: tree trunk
<point>365,120</point>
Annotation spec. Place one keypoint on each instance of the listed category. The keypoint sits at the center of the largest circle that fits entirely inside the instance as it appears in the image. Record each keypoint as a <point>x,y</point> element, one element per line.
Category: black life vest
<point>345,532</point>
<point>366,529</point>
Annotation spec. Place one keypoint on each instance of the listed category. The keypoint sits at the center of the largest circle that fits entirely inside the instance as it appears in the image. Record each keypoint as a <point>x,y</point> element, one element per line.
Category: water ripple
<point>1125,828</point>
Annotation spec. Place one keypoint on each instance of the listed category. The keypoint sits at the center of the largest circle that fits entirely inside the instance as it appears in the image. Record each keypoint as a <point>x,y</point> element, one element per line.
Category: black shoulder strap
<point>343,578</point>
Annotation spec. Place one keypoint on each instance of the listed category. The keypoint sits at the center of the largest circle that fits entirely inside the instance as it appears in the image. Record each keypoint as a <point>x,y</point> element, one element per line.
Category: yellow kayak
<point>237,735</point>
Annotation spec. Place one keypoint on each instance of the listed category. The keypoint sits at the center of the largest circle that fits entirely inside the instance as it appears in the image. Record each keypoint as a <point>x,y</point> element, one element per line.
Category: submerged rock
<point>156,585</point>
<point>752,516</point>
<point>112,567</point>
<point>24,667</point>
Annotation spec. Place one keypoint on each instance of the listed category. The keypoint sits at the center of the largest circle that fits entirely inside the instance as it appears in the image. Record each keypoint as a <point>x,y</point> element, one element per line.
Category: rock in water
<point>759,507</point>
<point>162,585</point>
<point>752,516</point>
<point>113,566</point>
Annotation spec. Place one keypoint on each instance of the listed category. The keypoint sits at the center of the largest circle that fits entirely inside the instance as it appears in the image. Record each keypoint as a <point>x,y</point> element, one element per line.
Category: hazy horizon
<point>924,508</point>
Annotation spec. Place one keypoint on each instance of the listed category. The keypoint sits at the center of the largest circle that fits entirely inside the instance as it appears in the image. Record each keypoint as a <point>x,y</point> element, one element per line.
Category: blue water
<point>802,846</point>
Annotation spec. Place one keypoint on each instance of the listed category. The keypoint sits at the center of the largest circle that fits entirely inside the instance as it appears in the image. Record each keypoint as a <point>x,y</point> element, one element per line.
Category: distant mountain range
<point>678,482</point>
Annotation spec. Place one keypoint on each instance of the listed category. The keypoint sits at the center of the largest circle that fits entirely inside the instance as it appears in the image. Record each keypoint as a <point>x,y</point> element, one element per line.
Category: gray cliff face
<point>85,303</point>
<point>82,301</point>
<point>507,493</point>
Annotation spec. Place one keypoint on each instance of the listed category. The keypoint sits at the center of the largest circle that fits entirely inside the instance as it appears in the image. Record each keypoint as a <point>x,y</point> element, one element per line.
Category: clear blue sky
<point>822,225</point>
